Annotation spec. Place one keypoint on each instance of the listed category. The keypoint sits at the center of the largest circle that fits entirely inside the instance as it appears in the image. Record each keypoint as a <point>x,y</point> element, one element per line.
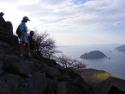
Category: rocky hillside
<point>35,75</point>
<point>20,75</point>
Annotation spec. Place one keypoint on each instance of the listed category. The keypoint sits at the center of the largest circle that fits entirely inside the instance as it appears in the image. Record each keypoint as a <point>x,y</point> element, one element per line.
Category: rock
<point>8,28</point>
<point>52,72</point>
<point>103,87</point>
<point>5,26</point>
<point>93,55</point>
<point>2,21</point>
<point>110,86</point>
<point>61,88</point>
<point>9,84</point>
<point>51,87</point>
<point>6,31</point>
<point>74,81</point>
<point>78,89</point>
<point>13,64</point>
<point>39,82</point>
<point>115,90</point>
<point>35,84</point>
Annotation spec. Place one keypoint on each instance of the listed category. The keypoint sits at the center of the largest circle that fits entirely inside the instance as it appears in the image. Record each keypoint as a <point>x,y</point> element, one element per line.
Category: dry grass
<point>100,76</point>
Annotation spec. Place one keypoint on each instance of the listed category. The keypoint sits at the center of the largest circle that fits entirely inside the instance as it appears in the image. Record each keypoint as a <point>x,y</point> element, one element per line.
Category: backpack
<point>18,31</point>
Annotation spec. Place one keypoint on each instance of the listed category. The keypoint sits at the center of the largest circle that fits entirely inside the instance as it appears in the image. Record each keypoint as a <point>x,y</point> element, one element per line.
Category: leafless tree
<point>45,45</point>
<point>69,62</point>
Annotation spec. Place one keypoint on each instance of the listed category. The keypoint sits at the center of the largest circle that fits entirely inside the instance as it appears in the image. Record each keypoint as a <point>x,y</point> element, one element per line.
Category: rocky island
<point>93,55</point>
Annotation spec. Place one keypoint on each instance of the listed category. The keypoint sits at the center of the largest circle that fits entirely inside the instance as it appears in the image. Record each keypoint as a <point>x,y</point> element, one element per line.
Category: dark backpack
<point>18,31</point>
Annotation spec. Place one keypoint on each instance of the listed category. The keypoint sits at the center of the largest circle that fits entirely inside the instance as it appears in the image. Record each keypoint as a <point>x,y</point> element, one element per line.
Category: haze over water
<point>114,64</point>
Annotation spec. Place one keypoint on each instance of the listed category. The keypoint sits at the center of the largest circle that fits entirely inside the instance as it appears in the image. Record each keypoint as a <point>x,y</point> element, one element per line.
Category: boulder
<point>115,90</point>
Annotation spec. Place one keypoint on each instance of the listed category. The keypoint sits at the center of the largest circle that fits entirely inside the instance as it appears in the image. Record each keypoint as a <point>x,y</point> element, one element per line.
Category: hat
<point>26,18</point>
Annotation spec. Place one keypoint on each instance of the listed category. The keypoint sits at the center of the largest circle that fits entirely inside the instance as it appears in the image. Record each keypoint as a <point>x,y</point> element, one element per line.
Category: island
<point>93,55</point>
<point>121,48</point>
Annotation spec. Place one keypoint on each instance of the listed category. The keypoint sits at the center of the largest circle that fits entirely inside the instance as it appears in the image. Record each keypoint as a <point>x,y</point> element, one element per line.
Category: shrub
<point>69,62</point>
<point>45,45</point>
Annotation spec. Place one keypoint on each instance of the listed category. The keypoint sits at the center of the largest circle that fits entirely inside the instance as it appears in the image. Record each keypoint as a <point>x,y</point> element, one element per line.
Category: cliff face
<point>36,75</point>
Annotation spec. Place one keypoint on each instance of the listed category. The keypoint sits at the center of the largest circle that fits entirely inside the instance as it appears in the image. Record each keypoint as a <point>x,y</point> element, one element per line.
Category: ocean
<point>114,64</point>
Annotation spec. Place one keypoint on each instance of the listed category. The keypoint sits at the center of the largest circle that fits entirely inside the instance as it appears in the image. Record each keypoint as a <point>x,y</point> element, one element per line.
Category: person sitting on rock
<point>23,37</point>
<point>32,42</point>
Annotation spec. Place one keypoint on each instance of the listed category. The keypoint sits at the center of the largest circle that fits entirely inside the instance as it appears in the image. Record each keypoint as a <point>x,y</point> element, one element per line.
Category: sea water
<point>114,64</point>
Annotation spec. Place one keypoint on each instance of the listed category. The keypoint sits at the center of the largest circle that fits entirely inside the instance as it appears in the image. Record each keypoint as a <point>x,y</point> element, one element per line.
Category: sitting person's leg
<point>22,49</point>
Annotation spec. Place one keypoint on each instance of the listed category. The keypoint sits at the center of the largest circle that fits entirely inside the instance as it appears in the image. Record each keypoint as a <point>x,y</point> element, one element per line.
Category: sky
<point>71,22</point>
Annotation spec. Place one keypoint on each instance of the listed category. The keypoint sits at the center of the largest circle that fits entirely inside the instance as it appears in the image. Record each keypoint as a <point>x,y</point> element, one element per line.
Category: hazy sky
<point>71,22</point>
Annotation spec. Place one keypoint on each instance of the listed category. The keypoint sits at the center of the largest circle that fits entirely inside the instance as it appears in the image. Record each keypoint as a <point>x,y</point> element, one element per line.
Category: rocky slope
<point>19,75</point>
<point>34,75</point>
<point>37,75</point>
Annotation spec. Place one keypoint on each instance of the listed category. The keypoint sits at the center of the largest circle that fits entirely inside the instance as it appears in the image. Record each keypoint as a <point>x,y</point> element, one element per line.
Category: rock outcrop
<point>93,55</point>
<point>6,31</point>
